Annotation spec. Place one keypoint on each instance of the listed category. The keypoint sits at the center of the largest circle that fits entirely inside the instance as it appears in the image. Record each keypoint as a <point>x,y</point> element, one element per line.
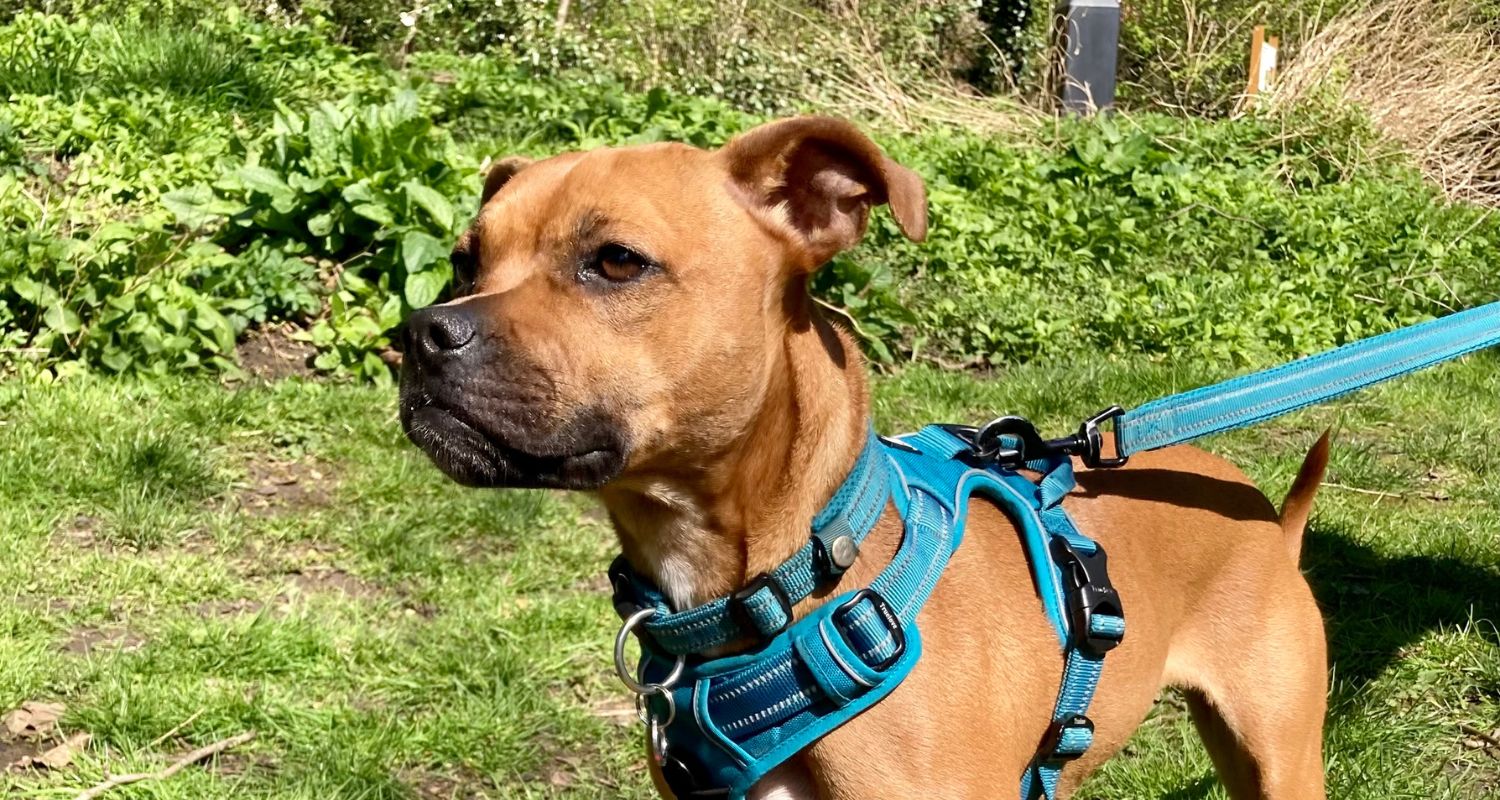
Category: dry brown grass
<point>1428,73</point>
<point>865,84</point>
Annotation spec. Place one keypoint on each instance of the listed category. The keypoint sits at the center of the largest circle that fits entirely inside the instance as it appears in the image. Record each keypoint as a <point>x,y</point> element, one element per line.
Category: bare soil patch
<point>446,784</point>
<point>275,486</point>
<point>271,354</point>
<point>83,532</point>
<point>330,580</point>
<point>87,641</point>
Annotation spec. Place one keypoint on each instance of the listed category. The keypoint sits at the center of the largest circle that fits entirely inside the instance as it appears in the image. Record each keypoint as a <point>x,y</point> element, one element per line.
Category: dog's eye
<point>463,272</point>
<point>619,264</point>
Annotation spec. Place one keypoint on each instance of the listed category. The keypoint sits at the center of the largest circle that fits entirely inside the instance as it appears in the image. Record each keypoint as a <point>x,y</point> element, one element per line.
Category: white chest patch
<point>678,537</point>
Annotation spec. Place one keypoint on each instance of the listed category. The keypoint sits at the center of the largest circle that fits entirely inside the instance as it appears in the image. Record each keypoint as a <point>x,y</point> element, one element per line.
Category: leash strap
<point>1244,401</point>
<point>763,608</point>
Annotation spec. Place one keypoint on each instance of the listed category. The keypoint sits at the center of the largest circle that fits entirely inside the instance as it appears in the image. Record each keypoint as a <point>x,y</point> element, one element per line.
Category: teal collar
<point>763,608</point>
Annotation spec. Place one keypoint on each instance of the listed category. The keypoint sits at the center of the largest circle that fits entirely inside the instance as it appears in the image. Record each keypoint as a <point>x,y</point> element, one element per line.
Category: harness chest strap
<point>729,721</point>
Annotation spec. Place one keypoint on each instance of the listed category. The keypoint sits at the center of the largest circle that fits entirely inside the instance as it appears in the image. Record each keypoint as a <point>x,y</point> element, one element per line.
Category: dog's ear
<point>816,178</point>
<point>500,174</point>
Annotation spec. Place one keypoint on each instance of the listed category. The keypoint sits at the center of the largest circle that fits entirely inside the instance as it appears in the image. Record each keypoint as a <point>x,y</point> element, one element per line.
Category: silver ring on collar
<point>623,670</point>
<point>643,709</point>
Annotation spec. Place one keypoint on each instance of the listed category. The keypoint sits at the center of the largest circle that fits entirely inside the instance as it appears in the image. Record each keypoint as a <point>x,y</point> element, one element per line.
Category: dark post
<point>1090,39</point>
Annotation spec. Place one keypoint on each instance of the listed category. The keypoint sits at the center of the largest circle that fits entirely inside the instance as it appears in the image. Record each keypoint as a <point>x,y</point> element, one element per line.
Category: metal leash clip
<point>1012,441</point>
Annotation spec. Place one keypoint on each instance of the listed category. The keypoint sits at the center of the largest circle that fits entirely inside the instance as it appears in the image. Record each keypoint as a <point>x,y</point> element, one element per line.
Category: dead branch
<point>175,767</point>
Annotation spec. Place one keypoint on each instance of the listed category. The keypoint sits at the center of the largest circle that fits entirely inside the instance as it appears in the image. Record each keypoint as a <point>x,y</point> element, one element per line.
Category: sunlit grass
<point>277,558</point>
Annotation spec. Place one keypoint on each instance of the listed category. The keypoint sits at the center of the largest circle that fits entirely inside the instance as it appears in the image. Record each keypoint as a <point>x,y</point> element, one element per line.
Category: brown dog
<point>636,322</point>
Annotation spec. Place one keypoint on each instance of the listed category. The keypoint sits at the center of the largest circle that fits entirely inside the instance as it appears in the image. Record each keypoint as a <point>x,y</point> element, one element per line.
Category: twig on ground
<point>1479,733</point>
<point>169,734</point>
<point>171,769</point>
<point>1358,490</point>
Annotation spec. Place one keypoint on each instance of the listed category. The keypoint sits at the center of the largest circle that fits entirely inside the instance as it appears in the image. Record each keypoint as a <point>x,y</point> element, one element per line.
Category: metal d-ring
<point>656,737</point>
<point>643,709</point>
<point>622,669</point>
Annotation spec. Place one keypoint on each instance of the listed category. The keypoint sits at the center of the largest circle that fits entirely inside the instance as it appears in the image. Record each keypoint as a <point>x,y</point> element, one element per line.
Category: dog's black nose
<point>438,331</point>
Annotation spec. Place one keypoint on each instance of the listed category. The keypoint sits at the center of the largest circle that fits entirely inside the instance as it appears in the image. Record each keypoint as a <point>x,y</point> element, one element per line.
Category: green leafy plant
<point>122,295</point>
<point>364,192</point>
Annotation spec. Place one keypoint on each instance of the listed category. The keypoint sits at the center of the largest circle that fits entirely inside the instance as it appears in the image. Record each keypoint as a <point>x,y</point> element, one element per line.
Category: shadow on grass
<point>1375,605</point>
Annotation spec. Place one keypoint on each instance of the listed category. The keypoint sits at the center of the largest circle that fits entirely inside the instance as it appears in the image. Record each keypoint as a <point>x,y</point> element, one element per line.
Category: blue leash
<point>1251,399</point>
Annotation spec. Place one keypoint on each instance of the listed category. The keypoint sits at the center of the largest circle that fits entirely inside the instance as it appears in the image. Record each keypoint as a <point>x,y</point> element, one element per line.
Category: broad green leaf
<point>359,192</point>
<point>116,359</point>
<point>321,224</point>
<point>376,369</point>
<point>62,319</point>
<point>389,315</point>
<point>360,329</point>
<point>36,292</point>
<point>192,207</point>
<point>419,250</point>
<point>375,213</point>
<point>263,180</point>
<point>327,361</point>
<point>423,288</point>
<point>429,200</point>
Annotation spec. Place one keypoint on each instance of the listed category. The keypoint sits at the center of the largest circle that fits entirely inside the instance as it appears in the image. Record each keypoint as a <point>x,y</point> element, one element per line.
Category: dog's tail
<point>1299,501</point>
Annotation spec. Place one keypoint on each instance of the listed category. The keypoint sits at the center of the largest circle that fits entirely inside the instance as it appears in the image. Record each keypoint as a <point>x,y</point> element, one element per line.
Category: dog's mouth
<point>588,457</point>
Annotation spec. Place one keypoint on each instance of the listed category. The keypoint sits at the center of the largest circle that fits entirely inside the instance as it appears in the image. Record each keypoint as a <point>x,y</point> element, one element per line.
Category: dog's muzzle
<point>487,419</point>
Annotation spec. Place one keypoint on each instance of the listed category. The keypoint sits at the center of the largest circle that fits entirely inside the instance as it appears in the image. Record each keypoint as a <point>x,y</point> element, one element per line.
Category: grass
<point>276,557</point>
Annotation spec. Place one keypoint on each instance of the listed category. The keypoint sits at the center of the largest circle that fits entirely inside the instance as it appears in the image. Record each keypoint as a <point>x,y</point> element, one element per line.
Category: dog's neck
<point>702,537</point>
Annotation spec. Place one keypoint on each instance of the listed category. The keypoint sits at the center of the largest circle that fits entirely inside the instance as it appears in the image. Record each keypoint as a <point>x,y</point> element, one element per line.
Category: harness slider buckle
<point>888,618</point>
<point>739,606</point>
<point>1090,594</point>
<point>1055,742</point>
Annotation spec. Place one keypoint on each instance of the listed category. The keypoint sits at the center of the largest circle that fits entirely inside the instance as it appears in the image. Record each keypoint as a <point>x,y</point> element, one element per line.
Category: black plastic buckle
<point>1093,440</point>
<point>686,782</point>
<point>1090,593</point>
<point>741,614</point>
<point>623,594</point>
<point>1054,736</point>
<point>887,616</point>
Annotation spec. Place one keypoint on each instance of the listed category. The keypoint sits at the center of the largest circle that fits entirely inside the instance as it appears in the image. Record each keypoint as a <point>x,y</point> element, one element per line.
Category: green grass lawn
<point>277,558</point>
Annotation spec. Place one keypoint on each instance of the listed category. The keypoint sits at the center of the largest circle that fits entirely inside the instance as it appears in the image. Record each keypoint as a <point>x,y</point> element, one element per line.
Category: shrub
<point>120,295</point>
<point>145,229</point>
<point>364,192</point>
<point>1237,242</point>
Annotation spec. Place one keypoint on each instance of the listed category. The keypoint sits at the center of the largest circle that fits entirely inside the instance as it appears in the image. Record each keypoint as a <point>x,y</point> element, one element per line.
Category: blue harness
<point>720,724</point>
<point>717,725</point>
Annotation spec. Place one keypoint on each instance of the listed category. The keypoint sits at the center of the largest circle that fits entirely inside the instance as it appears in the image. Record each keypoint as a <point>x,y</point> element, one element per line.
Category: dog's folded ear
<point>500,174</point>
<point>815,179</point>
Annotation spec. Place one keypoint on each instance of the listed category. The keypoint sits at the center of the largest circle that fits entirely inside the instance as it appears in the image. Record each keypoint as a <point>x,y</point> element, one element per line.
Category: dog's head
<point>616,305</point>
